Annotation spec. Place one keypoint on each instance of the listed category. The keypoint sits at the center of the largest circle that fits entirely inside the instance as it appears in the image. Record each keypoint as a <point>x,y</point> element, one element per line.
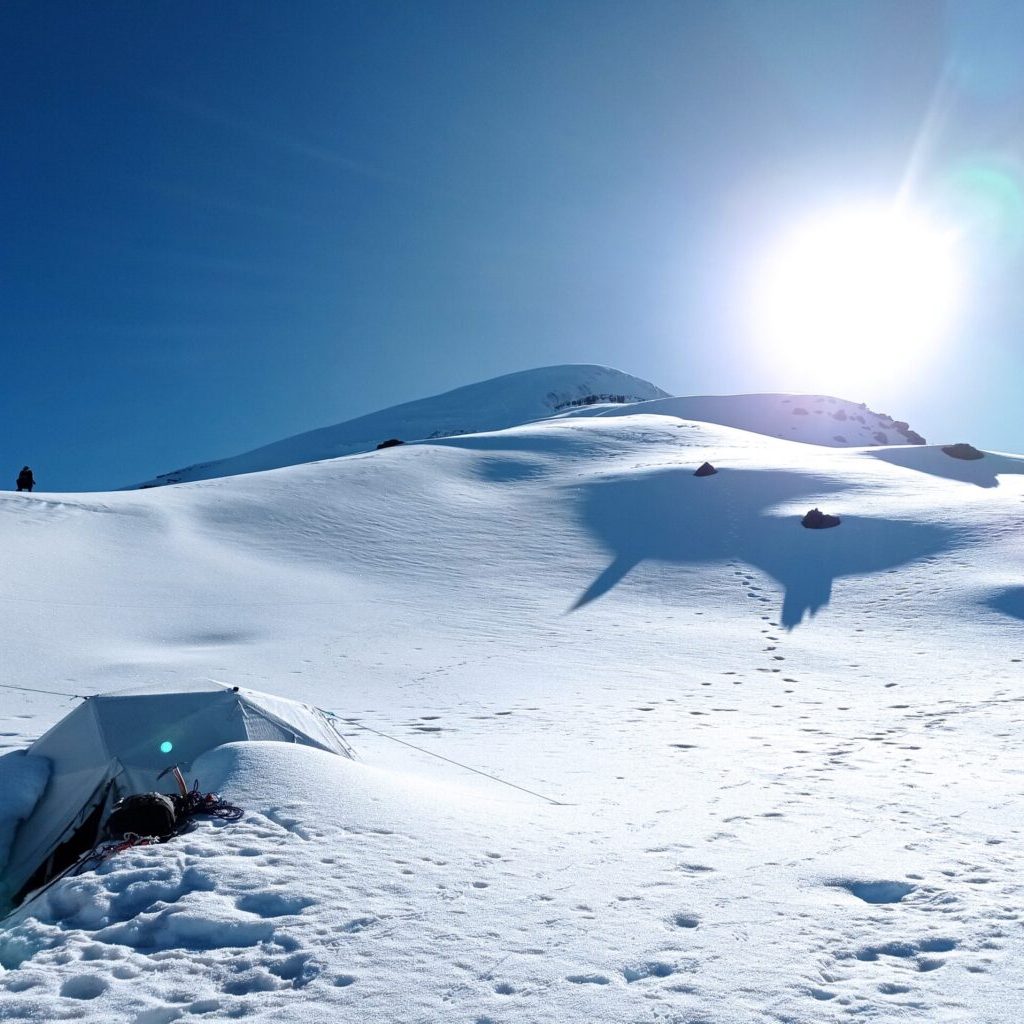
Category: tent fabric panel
<point>73,719</point>
<point>75,742</point>
<point>169,689</point>
<point>192,723</point>
<point>301,719</point>
<point>258,726</point>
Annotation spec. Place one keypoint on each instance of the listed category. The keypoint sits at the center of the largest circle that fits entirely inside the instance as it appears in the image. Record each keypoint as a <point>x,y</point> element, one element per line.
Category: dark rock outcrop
<point>706,470</point>
<point>818,520</point>
<point>963,450</point>
<point>391,442</point>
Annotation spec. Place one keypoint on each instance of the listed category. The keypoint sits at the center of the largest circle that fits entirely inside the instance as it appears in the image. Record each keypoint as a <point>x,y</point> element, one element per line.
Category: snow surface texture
<point>531,395</point>
<point>786,762</point>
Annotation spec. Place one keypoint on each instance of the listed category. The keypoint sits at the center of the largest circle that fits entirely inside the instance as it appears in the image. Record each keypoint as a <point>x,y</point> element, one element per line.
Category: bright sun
<point>857,294</point>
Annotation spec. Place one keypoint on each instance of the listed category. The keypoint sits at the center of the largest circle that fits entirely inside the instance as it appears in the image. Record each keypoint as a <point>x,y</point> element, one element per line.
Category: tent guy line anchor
<point>441,757</point>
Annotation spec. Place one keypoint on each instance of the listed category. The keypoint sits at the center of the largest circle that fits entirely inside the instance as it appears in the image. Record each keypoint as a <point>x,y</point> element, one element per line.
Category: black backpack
<point>143,814</point>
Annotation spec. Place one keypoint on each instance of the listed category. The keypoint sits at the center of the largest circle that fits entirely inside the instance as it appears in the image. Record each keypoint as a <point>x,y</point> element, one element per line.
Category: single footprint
<point>84,986</point>
<point>653,969</point>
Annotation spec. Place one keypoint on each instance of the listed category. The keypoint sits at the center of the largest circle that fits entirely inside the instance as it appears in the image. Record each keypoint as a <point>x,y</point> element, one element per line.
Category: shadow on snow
<point>933,460</point>
<point>673,517</point>
<point>1009,602</point>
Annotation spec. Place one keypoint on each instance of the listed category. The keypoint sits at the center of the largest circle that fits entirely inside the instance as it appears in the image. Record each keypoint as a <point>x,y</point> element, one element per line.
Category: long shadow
<point>931,459</point>
<point>671,516</point>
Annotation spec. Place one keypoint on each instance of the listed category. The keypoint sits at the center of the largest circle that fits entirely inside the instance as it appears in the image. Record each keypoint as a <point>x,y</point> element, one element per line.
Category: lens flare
<point>166,747</point>
<point>986,194</point>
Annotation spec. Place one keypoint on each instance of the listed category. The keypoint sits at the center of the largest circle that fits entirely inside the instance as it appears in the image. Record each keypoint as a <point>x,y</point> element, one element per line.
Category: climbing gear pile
<point>145,819</point>
<point>208,805</point>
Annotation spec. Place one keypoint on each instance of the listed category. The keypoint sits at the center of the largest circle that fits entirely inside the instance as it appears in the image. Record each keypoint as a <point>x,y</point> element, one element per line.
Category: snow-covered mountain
<point>518,398</point>
<point>505,401</point>
<point>764,773</point>
<point>813,419</point>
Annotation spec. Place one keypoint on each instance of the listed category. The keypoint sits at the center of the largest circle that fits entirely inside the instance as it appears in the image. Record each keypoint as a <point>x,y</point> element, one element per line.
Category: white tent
<point>119,743</point>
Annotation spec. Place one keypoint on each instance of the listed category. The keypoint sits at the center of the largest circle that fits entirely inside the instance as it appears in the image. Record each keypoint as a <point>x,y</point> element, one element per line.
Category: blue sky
<point>226,223</point>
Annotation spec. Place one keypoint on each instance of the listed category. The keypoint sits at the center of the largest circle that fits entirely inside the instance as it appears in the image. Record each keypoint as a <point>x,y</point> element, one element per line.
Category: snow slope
<point>505,401</point>
<point>814,419</point>
<point>768,774</point>
<point>572,390</point>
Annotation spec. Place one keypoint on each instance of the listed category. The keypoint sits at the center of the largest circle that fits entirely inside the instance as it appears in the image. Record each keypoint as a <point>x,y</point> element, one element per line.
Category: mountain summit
<point>505,401</point>
<point>569,390</point>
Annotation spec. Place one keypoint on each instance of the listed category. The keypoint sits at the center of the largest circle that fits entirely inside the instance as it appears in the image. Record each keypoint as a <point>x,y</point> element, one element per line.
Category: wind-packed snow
<point>768,774</point>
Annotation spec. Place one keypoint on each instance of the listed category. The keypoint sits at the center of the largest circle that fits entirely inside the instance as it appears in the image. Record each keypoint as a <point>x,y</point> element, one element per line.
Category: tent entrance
<point>84,835</point>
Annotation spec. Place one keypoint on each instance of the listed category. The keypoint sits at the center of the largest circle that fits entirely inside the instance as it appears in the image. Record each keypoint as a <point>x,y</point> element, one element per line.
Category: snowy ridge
<point>505,401</point>
<point>571,390</point>
<point>785,761</point>
<point>813,419</point>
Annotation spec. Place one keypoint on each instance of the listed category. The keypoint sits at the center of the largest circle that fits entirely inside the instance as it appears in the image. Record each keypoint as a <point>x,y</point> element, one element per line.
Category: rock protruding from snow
<point>705,469</point>
<point>507,401</point>
<point>963,451</point>
<point>818,520</point>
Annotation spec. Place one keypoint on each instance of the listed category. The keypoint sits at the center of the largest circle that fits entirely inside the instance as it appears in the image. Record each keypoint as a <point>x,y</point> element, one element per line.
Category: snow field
<point>768,814</point>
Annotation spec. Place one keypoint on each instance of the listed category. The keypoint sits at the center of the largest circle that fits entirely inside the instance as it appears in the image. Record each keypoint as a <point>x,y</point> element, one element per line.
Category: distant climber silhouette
<point>25,479</point>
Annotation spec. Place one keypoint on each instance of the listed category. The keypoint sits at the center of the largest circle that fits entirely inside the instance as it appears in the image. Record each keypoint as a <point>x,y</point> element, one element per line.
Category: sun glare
<point>858,293</point>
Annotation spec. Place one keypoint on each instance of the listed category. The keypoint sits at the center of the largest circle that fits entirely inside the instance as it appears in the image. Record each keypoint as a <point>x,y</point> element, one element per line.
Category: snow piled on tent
<point>777,768</point>
<point>22,781</point>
